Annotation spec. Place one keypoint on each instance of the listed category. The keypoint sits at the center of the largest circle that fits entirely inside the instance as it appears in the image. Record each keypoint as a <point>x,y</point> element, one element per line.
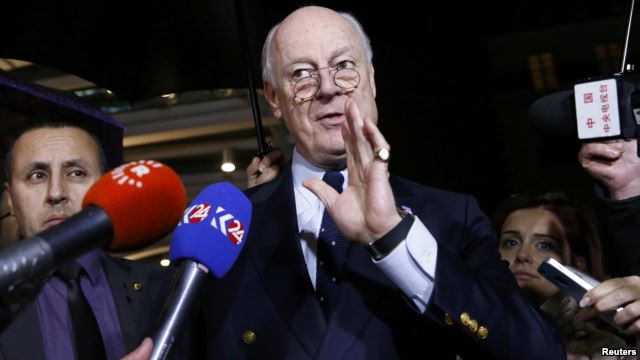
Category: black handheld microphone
<point>107,219</point>
<point>554,114</point>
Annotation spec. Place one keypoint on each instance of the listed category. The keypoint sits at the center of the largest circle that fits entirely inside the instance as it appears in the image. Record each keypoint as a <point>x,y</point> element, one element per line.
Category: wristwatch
<point>389,241</point>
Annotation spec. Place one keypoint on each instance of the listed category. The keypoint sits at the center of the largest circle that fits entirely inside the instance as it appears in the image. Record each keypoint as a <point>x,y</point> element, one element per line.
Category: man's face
<point>51,170</point>
<point>311,39</point>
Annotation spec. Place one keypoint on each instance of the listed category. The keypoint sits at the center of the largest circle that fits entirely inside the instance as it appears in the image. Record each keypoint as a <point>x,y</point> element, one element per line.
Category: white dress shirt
<point>411,265</point>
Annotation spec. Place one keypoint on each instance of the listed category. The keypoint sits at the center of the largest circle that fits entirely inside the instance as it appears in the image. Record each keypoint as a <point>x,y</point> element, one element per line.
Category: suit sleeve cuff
<point>411,265</point>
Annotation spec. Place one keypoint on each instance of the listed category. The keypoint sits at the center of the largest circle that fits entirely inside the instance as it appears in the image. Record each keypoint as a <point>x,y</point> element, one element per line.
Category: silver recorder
<point>574,283</point>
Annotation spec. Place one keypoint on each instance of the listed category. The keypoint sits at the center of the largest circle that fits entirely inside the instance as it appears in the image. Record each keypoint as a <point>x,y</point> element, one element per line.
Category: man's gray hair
<point>267,70</point>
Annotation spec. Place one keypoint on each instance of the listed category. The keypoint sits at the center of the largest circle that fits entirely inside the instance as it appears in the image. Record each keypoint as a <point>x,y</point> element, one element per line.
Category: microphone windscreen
<point>213,229</point>
<point>555,115</point>
<point>144,200</point>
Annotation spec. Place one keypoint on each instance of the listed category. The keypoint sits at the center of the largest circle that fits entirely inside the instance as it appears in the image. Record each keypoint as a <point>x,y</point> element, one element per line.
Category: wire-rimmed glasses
<point>307,87</point>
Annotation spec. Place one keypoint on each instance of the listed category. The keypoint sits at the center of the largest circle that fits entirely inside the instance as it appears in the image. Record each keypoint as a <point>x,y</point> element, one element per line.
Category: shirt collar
<point>307,203</point>
<point>303,170</point>
<point>91,264</point>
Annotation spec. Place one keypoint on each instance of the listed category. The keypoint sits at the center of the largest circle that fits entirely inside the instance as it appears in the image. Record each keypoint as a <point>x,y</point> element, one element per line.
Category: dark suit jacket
<point>266,307</point>
<point>137,308</point>
<point>621,230</point>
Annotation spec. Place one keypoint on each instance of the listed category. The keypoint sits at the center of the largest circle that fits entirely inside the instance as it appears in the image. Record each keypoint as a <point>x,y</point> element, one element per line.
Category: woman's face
<point>527,237</point>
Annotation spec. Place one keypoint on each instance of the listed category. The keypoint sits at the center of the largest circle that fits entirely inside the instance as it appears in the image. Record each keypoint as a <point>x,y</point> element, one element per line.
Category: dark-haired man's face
<point>51,170</point>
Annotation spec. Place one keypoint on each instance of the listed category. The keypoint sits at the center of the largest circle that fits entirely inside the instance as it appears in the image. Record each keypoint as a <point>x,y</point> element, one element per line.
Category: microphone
<point>208,240</point>
<point>129,207</point>
<point>595,110</point>
<point>554,114</point>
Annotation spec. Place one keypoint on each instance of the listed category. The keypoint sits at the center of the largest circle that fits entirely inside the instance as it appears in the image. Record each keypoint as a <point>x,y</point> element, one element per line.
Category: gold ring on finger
<point>383,154</point>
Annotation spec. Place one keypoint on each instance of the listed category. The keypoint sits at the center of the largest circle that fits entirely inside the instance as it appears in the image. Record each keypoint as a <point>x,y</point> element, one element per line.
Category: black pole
<point>624,67</point>
<point>263,147</point>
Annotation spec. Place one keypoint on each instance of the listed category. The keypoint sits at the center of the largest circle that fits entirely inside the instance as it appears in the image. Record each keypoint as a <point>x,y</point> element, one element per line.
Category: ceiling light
<point>227,161</point>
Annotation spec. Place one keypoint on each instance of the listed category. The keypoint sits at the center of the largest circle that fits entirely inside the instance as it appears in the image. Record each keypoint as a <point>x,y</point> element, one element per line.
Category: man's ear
<point>270,95</point>
<point>372,80</point>
<point>9,200</point>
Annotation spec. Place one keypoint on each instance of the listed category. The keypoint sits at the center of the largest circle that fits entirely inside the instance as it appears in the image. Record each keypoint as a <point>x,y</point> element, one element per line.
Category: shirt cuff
<point>412,264</point>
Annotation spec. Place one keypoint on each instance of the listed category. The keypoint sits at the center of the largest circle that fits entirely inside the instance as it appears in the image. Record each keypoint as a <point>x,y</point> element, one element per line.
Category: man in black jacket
<point>55,157</point>
<point>616,167</point>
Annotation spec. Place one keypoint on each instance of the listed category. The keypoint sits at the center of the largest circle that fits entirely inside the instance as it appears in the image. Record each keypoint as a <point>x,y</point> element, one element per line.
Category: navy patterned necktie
<point>87,339</point>
<point>332,250</point>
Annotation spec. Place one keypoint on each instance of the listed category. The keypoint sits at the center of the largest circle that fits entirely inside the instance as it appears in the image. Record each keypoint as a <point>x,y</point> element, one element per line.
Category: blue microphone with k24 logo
<point>207,242</point>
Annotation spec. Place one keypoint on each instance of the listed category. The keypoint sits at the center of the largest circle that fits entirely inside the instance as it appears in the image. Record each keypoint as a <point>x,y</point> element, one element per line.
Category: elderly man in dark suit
<point>344,261</point>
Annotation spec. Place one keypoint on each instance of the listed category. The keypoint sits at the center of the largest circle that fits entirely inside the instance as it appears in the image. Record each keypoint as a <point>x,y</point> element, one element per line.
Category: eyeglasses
<point>307,87</point>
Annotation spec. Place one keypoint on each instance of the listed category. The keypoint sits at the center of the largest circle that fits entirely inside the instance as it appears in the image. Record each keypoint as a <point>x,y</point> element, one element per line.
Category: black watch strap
<point>389,241</point>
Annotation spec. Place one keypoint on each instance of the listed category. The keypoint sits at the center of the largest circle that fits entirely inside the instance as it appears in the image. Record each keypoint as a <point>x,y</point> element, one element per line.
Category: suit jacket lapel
<point>24,332</point>
<point>120,281</point>
<point>274,248</point>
